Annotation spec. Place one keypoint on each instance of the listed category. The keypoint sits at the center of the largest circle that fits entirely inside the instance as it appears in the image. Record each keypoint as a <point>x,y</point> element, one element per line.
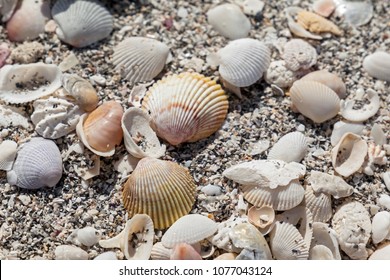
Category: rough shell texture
<point>328,79</point>
<point>159,252</point>
<point>164,190</point>
<point>319,204</point>
<point>342,127</point>
<point>324,235</point>
<point>377,65</point>
<point>329,184</point>
<point>28,52</point>
<point>291,147</point>
<point>140,59</point>
<point>81,23</point>
<point>381,226</point>
<point>317,24</point>
<point>7,8</point>
<point>8,150</point>
<point>299,55</point>
<point>185,107</point>
<point>278,74</point>
<point>13,116</point>
<point>69,252</point>
<point>364,113</point>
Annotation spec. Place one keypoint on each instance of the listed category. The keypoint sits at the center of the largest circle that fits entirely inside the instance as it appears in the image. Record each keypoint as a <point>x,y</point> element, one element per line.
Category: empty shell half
<point>291,147</point>
<point>261,216</point>
<point>364,113</point>
<point>342,127</point>
<point>319,204</point>
<point>325,236</point>
<point>328,79</point>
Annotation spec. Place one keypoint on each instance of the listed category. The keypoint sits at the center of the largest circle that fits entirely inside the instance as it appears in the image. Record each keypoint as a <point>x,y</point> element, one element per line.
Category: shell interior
<point>363,114</point>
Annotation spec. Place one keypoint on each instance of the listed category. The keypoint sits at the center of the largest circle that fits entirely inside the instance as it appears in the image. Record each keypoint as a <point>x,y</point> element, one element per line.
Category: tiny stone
<point>182,12</point>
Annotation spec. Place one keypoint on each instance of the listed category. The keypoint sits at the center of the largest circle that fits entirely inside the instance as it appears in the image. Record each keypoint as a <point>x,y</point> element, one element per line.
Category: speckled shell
<point>291,147</point>
<point>8,150</point>
<point>155,188</point>
<point>329,184</point>
<point>328,79</point>
<point>364,113</point>
<point>298,55</point>
<point>38,164</point>
<point>185,107</point>
<point>140,59</point>
<point>319,204</point>
<point>81,23</point>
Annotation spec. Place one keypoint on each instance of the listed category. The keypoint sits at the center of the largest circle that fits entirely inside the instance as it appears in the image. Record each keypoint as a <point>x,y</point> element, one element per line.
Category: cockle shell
<point>329,184</point>
<point>354,12</point>
<point>363,114</point>
<point>184,251</point>
<point>140,59</point>
<point>291,147</point>
<point>229,21</point>
<point>100,131</point>
<point>299,55</point>
<point>324,7</point>
<point>135,240</point>
<point>319,204</point>
<point>382,253</point>
<point>381,227</point>
<point>295,28</point>
<point>261,216</point>
<point>25,83</point>
<point>70,252</point>
<point>185,107</point>
<point>38,164</point>
<point>342,127</point>
<point>8,150</point>
<point>7,8</point>
<point>81,23</point>
<point>325,236</point>
<point>155,187</point>
<point>349,154</point>
<point>317,24</point>
<point>315,100</point>
<point>328,79</point>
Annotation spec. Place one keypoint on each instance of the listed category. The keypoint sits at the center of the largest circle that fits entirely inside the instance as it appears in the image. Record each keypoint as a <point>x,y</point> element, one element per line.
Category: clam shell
<point>319,204</point>
<point>106,256</point>
<point>382,253</point>
<point>356,13</point>
<point>164,190</point>
<point>381,227</point>
<point>189,229</point>
<point>25,83</point>
<point>81,23</point>
<point>140,59</point>
<point>325,236</point>
<point>8,150</point>
<point>299,55</point>
<point>185,107</point>
<point>7,8</point>
<point>328,79</point>
<point>291,147</point>
<point>314,100</point>
<point>342,127</point>
<point>329,184</point>
<point>363,114</point>
<point>261,216</point>
<point>377,65</point>
<point>69,252</point>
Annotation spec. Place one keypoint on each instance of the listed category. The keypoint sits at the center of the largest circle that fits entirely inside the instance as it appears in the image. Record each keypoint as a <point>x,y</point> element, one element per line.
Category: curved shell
<point>69,252</point>
<point>325,236</point>
<point>106,256</point>
<point>319,204</point>
<point>349,154</point>
<point>81,23</point>
<point>140,139</point>
<point>27,82</point>
<point>164,190</point>
<point>278,74</point>
<point>8,150</point>
<point>356,13</point>
<point>185,107</point>
<point>226,257</point>
<point>329,184</point>
<point>299,55</point>
<point>317,24</point>
<point>88,236</point>
<point>159,252</point>
<point>38,164</point>
<point>363,114</point>
<point>261,216</point>
<point>342,127</point>
<point>382,253</point>
<point>320,252</point>
<point>381,226</point>
<point>7,8</point>
<point>140,59</point>
<point>296,28</point>
<point>314,100</point>
<point>324,7</point>
<point>377,65</point>
<point>291,147</point>
<point>328,79</point>
<point>184,251</point>
<point>189,229</point>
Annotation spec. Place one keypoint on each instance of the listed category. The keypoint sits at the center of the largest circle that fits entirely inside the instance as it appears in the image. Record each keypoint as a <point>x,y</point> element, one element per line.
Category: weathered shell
<point>382,253</point>
<point>140,59</point>
<point>363,114</point>
<point>329,184</point>
<point>325,236</point>
<point>315,100</point>
<point>328,79</point>
<point>298,55</point>
<point>317,24</point>
<point>106,256</point>
<point>4,53</point>
<point>291,147</point>
<point>349,154</point>
<point>185,107</point>
<point>261,216</point>
<point>38,164</point>
<point>342,127</point>
<point>381,227</point>
<point>13,116</point>
<point>88,236</point>
<point>320,252</point>
<point>319,204</point>
<point>140,139</point>
<point>295,28</point>
<point>7,8</point>
<point>226,256</point>
<point>184,251</point>
<point>324,7</point>
<point>135,240</point>
<point>28,52</point>
<point>81,23</point>
<point>251,7</point>
<point>356,13</point>
<point>189,229</point>
<point>69,252</point>
<point>278,74</point>
<point>155,187</point>
<point>8,150</point>
<point>159,252</point>
<point>25,83</point>
<point>229,21</point>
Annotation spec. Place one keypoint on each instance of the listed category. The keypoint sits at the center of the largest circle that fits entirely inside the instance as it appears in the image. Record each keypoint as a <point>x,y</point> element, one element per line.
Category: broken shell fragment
<point>8,151</point>
<point>295,28</point>
<point>159,252</point>
<point>329,184</point>
<point>381,227</point>
<point>342,127</point>
<point>278,74</point>
<point>363,114</point>
<point>317,24</point>
<point>291,147</point>
<point>261,216</point>
<point>377,65</point>
<point>299,55</point>
<point>328,79</point>
<point>324,7</point>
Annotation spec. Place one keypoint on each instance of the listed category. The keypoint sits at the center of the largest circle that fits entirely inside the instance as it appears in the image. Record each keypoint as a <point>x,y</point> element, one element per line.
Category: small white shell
<point>298,54</point>
<point>377,65</point>
<point>159,252</point>
<point>328,79</point>
<point>69,252</point>
<point>319,204</point>
<point>324,235</point>
<point>7,154</point>
<point>380,227</point>
<point>329,184</point>
<point>291,147</point>
<point>106,256</point>
<point>363,114</point>
<point>382,253</point>
<point>384,201</point>
<point>342,127</point>
<point>88,236</point>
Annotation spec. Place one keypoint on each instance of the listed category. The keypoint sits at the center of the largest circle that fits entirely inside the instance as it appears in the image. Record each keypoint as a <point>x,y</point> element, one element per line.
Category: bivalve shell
<point>364,113</point>
<point>8,150</point>
<point>7,8</point>
<point>69,252</point>
<point>291,147</point>
<point>342,127</point>
<point>106,256</point>
<point>325,236</point>
<point>320,252</point>
<point>377,65</point>
<point>159,252</point>
<point>319,204</point>
<point>328,79</point>
<point>324,7</point>
<point>381,227</point>
<point>356,13</point>
<point>299,55</point>
<point>382,253</point>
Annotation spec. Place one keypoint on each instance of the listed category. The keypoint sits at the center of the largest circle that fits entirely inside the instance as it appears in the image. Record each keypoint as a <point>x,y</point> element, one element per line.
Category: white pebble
<point>100,80</point>
<point>182,12</point>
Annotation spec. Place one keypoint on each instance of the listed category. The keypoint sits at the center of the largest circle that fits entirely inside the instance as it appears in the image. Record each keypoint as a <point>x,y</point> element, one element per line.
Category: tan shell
<point>186,107</point>
<point>325,236</point>
<point>155,187</point>
<point>8,151</point>
<point>261,216</point>
<point>328,79</point>
<point>317,24</point>
<point>319,204</point>
<point>291,147</point>
<point>329,184</point>
<point>381,226</point>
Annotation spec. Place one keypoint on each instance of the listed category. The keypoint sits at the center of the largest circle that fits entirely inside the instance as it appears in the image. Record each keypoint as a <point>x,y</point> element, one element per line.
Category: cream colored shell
<point>291,147</point>
<point>377,65</point>
<point>319,204</point>
<point>8,149</point>
<point>381,226</point>
<point>261,216</point>
<point>325,236</point>
<point>382,253</point>
<point>70,252</point>
<point>364,113</point>
<point>330,80</point>
<point>342,127</point>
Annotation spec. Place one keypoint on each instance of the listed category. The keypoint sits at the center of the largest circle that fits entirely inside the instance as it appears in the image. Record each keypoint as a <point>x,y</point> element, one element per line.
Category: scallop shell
<point>324,7</point>
<point>299,55</point>
<point>382,253</point>
<point>317,24</point>
<point>7,8</point>
<point>377,65</point>
<point>291,147</point>
<point>25,83</point>
<point>69,252</point>
<point>81,23</point>
<point>186,107</point>
<point>159,252</point>
<point>342,127</point>
<point>164,190</point>
<point>363,114</point>
<point>319,204</point>
<point>314,100</point>
<point>140,139</point>
<point>381,227</point>
<point>38,164</point>
<point>329,184</point>
<point>261,216</point>
<point>140,59</point>
<point>8,150</point>
<point>325,236</point>
<point>184,251</point>
<point>189,229</point>
<point>135,240</point>
<point>349,154</point>
<point>328,79</point>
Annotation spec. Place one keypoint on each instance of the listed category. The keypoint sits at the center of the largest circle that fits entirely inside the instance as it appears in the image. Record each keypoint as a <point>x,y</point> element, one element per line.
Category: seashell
<point>81,90</point>
<point>278,74</point>
<point>226,256</point>
<point>140,59</point>
<point>342,127</point>
<point>261,216</point>
<point>352,225</point>
<point>8,150</point>
<point>287,243</point>
<point>70,252</point>
<point>229,21</point>
<point>189,229</point>
<point>135,240</point>
<point>183,251</point>
<point>106,256</point>
<point>185,107</point>
<point>349,154</point>
<point>13,116</point>
<point>324,7</point>
<point>314,100</point>
<point>291,147</point>
<point>28,52</point>
<point>378,135</point>
<point>159,252</point>
<point>211,190</point>
<point>328,79</point>
<point>295,28</point>
<point>81,23</point>
<point>25,83</point>
<point>4,53</point>
<point>384,201</point>
<point>320,252</point>
<point>38,164</point>
<point>155,187</point>
<point>317,24</point>
<point>382,253</point>
<point>363,114</point>
<point>299,55</point>
<point>88,236</point>
<point>140,139</point>
<point>251,7</point>
<point>356,13</point>
<point>329,184</point>
<point>377,65</point>
<point>7,8</point>
<point>376,156</point>
<point>319,204</point>
<point>386,179</point>
<point>325,236</point>
<point>381,227</point>
<point>100,131</point>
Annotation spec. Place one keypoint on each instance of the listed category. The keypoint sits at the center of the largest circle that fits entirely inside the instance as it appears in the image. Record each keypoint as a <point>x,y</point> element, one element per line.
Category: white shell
<point>7,154</point>
<point>315,100</point>
<point>378,135</point>
<point>261,216</point>
<point>88,236</point>
<point>382,253</point>
<point>251,7</point>
<point>159,252</point>
<point>320,252</point>
<point>140,59</point>
<point>298,54</point>
<point>342,127</point>
<point>319,204</point>
<point>324,235</point>
<point>328,79</point>
<point>291,147</point>
<point>356,13</point>
<point>7,8</point>
<point>81,23</point>
<point>377,65</point>
<point>329,184</point>
<point>384,201</point>
<point>13,116</point>
<point>106,256</point>
<point>278,74</point>
<point>363,114</point>
<point>229,21</point>
<point>69,252</point>
<point>37,80</point>
<point>380,227</point>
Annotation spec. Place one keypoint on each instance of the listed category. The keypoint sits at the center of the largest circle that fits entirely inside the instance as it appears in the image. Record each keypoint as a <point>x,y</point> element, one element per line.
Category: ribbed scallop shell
<point>291,147</point>
<point>159,252</point>
<point>140,59</point>
<point>320,205</point>
<point>185,107</point>
<point>244,61</point>
<point>315,100</point>
<point>189,229</point>
<point>81,22</point>
<point>164,190</point>
<point>8,150</point>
